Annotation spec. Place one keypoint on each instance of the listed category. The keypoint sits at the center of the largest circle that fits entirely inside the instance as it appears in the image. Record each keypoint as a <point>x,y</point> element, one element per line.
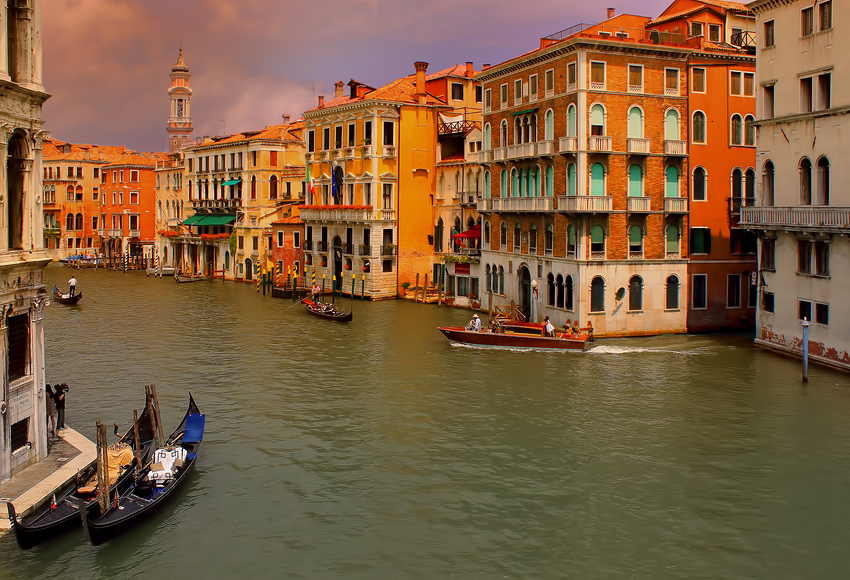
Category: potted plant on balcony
<point>389,249</point>
<point>364,146</point>
<point>362,249</point>
<point>389,151</point>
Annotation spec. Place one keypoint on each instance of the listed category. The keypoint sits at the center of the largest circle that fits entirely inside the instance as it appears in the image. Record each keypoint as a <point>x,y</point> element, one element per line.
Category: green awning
<point>216,220</point>
<point>525,112</point>
<point>232,182</point>
<point>193,219</point>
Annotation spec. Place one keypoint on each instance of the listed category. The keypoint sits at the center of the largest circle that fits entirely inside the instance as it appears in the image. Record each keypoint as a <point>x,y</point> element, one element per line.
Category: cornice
<point>762,6</point>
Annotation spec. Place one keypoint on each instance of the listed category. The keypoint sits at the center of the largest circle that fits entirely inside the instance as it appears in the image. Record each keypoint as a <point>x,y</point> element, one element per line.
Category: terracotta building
<point>288,255</point>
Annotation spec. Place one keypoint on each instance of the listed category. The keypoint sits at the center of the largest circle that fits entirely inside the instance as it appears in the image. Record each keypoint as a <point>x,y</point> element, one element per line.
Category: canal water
<point>378,450</point>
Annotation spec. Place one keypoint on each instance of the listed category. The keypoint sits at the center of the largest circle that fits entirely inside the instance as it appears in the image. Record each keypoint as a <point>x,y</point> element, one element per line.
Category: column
<point>5,452</point>
<point>37,357</point>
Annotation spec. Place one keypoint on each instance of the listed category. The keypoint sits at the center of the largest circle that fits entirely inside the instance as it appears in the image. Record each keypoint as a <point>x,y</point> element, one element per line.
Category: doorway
<point>337,269</point>
<point>524,277</point>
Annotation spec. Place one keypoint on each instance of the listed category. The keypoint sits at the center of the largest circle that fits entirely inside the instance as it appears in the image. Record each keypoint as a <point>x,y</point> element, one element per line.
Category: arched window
<point>635,180</point>
<point>571,241</point>
<point>489,286</point>
<point>503,184</point>
<point>523,182</point>
<point>671,188</point>
<point>549,126</point>
<point>249,269</point>
<point>548,240</point>
<point>768,184</point>
<point>190,190</point>
<point>550,180</point>
<point>517,237</point>
<point>597,294</point>
<point>78,191</point>
<point>671,125</point>
<point>597,242</point>
<point>254,194</point>
<point>805,181</point>
<point>69,193</point>
<point>78,222</point>
<point>503,134</point>
<point>487,191</point>
<point>438,235</point>
<point>532,239</point>
<point>737,130</point>
<point>750,189</point>
<point>487,235</point>
<point>550,290</point>
<point>635,123</point>
<point>571,121</point>
<point>487,137</point>
<point>597,120</point>
<point>699,184</point>
<point>750,130</point>
<point>699,127</point>
<point>672,293</point>
<point>571,179</point>
<point>503,237</point>
<point>559,298</point>
<point>737,185</point>
<point>69,222</point>
<point>672,232</point>
<point>635,293</point>
<point>501,280</point>
<point>597,179</point>
<point>822,182</point>
<point>273,187</point>
<point>568,302</point>
<point>514,183</point>
<point>635,241</point>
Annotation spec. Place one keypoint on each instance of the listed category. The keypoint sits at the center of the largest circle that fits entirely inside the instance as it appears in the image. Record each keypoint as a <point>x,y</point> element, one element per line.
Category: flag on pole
<point>310,185</point>
<point>334,184</point>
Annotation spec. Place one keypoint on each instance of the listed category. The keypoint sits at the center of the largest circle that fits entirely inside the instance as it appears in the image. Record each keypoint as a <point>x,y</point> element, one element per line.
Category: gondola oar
<point>90,298</point>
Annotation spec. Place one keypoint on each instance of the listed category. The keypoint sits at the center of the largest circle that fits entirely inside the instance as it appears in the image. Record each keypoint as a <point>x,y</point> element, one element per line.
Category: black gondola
<point>64,514</point>
<point>326,311</point>
<point>66,298</point>
<point>151,489</point>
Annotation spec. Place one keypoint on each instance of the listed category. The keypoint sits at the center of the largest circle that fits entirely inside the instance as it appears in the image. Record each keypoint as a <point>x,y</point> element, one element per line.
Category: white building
<point>803,201</point>
<point>23,434</point>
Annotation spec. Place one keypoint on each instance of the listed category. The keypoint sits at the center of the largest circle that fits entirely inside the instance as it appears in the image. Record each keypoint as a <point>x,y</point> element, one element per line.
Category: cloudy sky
<point>106,62</point>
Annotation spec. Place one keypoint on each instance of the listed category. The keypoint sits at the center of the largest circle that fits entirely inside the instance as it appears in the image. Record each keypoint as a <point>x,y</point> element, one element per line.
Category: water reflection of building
<point>802,214</point>
<point>23,433</point>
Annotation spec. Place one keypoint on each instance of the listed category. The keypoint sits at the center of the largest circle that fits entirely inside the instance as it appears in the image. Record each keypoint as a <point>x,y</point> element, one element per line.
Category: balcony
<point>346,249</point>
<point>135,233</point>
<point>485,156</point>
<point>637,204</point>
<point>817,218</point>
<point>584,203</point>
<point>389,152</point>
<point>389,250</point>
<point>637,146</point>
<point>568,145</point>
<point>675,147</point>
<point>52,232</point>
<point>339,215</point>
<point>467,198</point>
<point>500,154</point>
<point>522,150</point>
<point>321,246</point>
<point>516,204</point>
<point>366,151</point>
<point>546,147</point>
<point>115,233</point>
<point>736,203</point>
<point>364,249</point>
<point>599,144</point>
<point>348,152</point>
<point>676,204</point>
<point>101,233</point>
<point>308,245</point>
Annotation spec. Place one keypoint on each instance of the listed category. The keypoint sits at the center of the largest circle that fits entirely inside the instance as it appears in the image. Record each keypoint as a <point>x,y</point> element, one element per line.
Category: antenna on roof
<point>223,127</point>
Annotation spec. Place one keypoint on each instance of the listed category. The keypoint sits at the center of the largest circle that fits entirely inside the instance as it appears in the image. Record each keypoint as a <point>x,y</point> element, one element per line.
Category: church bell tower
<point>180,120</point>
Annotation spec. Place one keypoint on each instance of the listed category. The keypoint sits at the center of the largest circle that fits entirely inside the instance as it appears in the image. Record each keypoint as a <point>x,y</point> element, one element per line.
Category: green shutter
<point>635,181</point>
<point>571,121</point>
<point>597,117</point>
<point>550,180</point>
<point>672,238</point>
<point>635,124</point>
<point>597,234</point>
<point>571,233</point>
<point>635,235</point>
<point>671,126</point>
<point>597,179</point>
<point>672,189</point>
<point>571,177</point>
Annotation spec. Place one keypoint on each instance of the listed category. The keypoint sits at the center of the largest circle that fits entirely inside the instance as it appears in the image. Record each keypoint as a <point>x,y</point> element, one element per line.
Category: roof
<point>401,90</point>
<point>53,150</point>
<point>694,6</point>
<point>288,221</point>
<point>458,70</point>
<point>291,132</point>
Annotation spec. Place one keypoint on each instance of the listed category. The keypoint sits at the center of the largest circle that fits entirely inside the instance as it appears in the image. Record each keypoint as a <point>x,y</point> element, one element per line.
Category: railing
<point>635,145</point>
<point>52,231</point>
<point>598,143</point>
<point>637,204</point>
<point>636,255</point>
<point>584,203</point>
<point>736,203</point>
<point>101,233</point>
<point>308,245</point>
<point>366,151</point>
<point>389,250</point>
<point>546,147</point>
<point>345,249</point>
<point>336,214</point>
<point>135,233</point>
<point>518,204</point>
<point>500,153</point>
<point>521,150</point>
<point>745,38</point>
<point>348,152</point>
<point>467,197</point>
<point>567,144</point>
<point>115,233</point>
<point>547,251</point>
<point>803,217</point>
<point>485,156</point>
<point>364,249</point>
<point>635,88</point>
<point>671,91</point>
<point>387,214</point>
<point>673,255</point>
<point>597,255</point>
<point>674,147</point>
<point>321,246</point>
<point>676,204</point>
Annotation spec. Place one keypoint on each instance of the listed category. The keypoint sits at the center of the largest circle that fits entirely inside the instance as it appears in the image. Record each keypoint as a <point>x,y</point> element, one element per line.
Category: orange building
<point>722,141</point>
<point>287,254</point>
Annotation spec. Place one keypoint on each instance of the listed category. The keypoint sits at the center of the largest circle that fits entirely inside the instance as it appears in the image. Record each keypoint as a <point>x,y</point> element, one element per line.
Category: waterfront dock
<point>69,454</point>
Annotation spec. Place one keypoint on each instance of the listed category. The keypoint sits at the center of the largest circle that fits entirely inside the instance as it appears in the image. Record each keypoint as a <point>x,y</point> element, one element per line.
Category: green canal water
<point>378,450</point>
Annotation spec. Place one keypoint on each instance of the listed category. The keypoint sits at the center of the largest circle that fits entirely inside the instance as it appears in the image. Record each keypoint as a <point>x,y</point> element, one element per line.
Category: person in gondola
<point>315,292</point>
<point>72,286</point>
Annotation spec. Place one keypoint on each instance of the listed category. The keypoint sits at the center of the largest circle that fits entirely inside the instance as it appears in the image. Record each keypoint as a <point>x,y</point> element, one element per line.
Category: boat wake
<point>511,348</point>
<point>620,349</point>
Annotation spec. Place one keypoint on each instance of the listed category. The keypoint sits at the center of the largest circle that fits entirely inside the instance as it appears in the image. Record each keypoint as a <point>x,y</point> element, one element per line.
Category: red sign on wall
<point>461,268</point>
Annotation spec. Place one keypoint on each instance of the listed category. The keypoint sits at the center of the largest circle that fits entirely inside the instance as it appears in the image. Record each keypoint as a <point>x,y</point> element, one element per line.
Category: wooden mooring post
<point>416,289</point>
<point>102,467</point>
<point>425,289</point>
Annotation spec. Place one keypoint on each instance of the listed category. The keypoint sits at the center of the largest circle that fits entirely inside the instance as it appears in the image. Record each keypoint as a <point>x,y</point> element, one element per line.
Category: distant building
<point>172,202</point>
<point>23,432</point>
<point>287,255</point>
<point>180,124</point>
<point>802,213</point>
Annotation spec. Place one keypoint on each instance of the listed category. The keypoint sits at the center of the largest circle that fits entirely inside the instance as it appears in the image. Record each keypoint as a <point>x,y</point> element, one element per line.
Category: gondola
<point>326,311</point>
<point>66,298</point>
<point>63,514</point>
<point>153,486</point>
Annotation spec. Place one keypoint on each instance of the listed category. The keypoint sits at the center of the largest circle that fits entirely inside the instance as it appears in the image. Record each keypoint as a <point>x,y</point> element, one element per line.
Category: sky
<point>107,62</point>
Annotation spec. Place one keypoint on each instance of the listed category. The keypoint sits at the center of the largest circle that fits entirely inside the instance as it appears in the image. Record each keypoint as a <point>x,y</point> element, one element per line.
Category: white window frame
<point>772,24</point>
<point>518,92</point>
<point>693,289</point>
<point>533,87</point>
<point>547,75</point>
<point>715,28</point>
<point>503,94</point>
<point>574,65</point>
<point>677,91</point>
<point>488,100</point>
<point>701,29</point>
<point>810,8</point>
<point>634,88</point>
<point>595,86</point>
<point>704,79</point>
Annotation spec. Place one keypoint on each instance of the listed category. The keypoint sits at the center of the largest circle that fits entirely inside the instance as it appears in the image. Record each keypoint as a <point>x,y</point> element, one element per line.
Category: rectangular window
<point>351,139</point>
<point>326,138</point>
<point>517,91</point>
<point>769,108</point>
<point>387,201</point>
<point>807,21</point>
<point>94,222</point>
<point>749,84</point>
<point>478,93</point>
<point>824,91</point>
<point>114,176</point>
<point>296,239</point>
<point>768,254</point>
<point>671,81</point>
<point>549,81</point>
<point>311,145</point>
<point>19,434</point>
<point>733,291</point>
<point>532,87</point>
<point>767,302</point>
<point>96,172</point>
<point>635,78</point>
<point>273,158</point>
<point>821,313</point>
<point>367,132</point>
<point>571,75</point>
<point>700,240</point>
<point>804,310</point>
<point>503,96</point>
<point>255,245</point>
<point>825,15</point>
<point>79,172</point>
<point>714,32</point>
<point>457,91</point>
<point>488,100</point>
<point>696,29</point>
<point>821,255</point>
<point>70,172</point>
<point>387,265</point>
<point>804,257</point>
<point>389,133</point>
<point>280,239</point>
<point>134,197</point>
<point>806,97</point>
<point>367,194</point>
<point>698,80</point>
<point>241,242</point>
<point>699,299</point>
<point>735,83</point>
<point>597,75</point>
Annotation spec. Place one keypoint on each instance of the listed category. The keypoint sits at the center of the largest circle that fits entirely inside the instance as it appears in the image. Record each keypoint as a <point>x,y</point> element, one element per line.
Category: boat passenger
<point>474,324</point>
<point>315,292</point>
<point>72,285</point>
<point>548,328</point>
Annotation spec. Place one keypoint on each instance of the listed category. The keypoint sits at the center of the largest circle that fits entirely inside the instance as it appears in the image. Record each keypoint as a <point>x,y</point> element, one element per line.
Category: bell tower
<point>180,120</point>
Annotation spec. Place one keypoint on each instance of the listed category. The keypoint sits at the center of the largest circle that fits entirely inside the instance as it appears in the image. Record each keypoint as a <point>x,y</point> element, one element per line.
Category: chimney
<point>611,14</point>
<point>338,89</point>
<point>88,154</point>
<point>95,151</point>
<point>469,71</point>
<point>485,66</point>
<point>321,101</point>
<point>286,119</point>
<point>421,67</point>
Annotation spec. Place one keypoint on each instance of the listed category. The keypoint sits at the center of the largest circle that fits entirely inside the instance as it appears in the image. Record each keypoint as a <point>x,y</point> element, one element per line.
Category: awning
<point>232,182</point>
<point>525,112</point>
<point>193,219</point>
<point>472,233</point>
<point>215,220</point>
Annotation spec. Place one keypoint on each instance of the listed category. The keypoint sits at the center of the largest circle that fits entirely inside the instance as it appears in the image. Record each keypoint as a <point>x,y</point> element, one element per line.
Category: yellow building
<point>172,203</point>
<point>371,154</point>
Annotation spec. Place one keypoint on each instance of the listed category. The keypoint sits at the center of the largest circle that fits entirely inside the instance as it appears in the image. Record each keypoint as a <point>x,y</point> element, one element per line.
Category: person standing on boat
<point>548,327</point>
<point>50,399</point>
<point>60,405</point>
<point>72,285</point>
<point>475,323</point>
<point>315,292</point>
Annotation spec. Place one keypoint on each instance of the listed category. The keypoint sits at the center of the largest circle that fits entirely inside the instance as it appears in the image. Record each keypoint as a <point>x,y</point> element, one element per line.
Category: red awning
<point>472,233</point>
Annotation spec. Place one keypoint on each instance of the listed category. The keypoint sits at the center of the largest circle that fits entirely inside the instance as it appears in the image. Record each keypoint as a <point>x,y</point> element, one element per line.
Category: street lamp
<point>534,301</point>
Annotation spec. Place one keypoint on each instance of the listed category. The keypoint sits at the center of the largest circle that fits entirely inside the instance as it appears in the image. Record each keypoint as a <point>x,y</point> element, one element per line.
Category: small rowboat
<point>63,514</point>
<point>66,298</point>
<point>188,278</point>
<point>326,311</point>
<point>514,334</point>
<point>156,483</point>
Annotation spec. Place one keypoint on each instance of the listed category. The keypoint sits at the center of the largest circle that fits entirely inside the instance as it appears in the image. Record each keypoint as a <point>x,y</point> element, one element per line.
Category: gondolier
<point>72,285</point>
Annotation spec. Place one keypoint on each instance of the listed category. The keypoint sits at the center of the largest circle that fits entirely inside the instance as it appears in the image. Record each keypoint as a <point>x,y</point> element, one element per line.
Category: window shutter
<point>634,235</point>
<point>707,240</point>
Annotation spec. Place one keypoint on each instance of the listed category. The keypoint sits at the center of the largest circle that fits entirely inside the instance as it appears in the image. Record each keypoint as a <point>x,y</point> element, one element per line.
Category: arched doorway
<point>524,278</point>
<point>249,269</point>
<point>337,257</point>
<point>17,154</point>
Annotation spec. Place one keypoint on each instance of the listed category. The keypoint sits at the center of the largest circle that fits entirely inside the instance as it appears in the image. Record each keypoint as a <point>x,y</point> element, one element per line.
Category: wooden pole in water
<point>416,290</point>
<point>425,289</point>
<point>156,410</point>
<point>805,350</point>
<point>151,415</point>
<point>363,287</point>
<point>353,279</point>
<point>490,303</point>
<point>102,468</point>
<point>136,433</point>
